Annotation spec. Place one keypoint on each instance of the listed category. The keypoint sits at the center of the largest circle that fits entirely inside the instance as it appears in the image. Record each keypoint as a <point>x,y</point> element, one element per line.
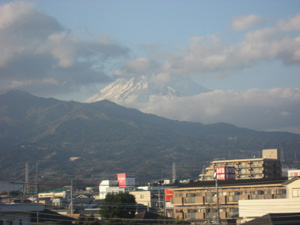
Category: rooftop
<point>243,160</point>
<point>227,183</point>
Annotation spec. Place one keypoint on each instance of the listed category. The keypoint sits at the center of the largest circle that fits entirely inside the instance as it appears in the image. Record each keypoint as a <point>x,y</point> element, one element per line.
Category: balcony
<point>190,200</point>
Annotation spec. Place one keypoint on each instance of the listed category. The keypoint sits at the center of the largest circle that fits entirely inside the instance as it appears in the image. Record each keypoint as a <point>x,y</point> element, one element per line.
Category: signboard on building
<point>293,173</point>
<point>125,180</point>
<point>168,194</point>
<point>225,173</point>
<point>122,179</point>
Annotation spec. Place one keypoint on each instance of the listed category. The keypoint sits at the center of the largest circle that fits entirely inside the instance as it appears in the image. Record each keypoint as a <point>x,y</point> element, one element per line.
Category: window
<point>296,192</point>
<point>178,195</point>
<point>244,192</point>
<point>190,200</point>
<point>244,164</point>
<point>1,222</point>
<point>244,171</point>
<point>9,222</point>
<point>233,198</point>
<point>20,222</point>
<point>190,195</point>
<point>209,199</point>
<point>141,196</point>
<point>222,193</point>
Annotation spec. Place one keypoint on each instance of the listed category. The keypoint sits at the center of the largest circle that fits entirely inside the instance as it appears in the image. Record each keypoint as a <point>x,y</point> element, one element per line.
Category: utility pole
<point>174,172</point>
<point>71,197</point>
<point>217,193</point>
<point>26,183</point>
<point>37,201</point>
<point>165,204</point>
<point>159,198</point>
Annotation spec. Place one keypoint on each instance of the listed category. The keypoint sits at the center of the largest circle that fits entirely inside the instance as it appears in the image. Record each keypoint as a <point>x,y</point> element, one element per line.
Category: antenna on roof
<point>174,172</point>
<point>281,155</point>
<point>26,184</point>
<point>203,169</point>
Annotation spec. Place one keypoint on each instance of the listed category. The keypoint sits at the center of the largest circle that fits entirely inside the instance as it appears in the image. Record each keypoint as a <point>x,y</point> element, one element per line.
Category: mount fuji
<point>141,89</point>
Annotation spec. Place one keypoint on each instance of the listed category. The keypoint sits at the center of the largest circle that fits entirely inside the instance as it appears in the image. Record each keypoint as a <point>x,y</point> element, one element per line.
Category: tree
<point>118,205</point>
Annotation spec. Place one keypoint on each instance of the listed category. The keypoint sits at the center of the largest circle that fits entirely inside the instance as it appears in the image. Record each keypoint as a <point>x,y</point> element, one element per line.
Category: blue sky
<point>170,24</point>
<point>246,50</point>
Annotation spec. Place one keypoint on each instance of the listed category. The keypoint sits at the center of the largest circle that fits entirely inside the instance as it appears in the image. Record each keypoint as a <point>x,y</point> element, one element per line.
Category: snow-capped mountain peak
<point>135,89</point>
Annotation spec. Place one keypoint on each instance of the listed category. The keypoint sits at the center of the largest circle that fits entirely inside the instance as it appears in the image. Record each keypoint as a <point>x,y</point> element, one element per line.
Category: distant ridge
<point>109,138</point>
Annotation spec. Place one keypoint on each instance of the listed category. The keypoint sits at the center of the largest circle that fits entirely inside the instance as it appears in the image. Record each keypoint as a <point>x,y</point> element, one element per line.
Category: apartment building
<point>197,201</point>
<point>252,209</point>
<point>268,166</point>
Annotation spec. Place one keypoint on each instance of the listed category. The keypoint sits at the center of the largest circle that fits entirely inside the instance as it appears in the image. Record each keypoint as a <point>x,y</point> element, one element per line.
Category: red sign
<point>122,179</point>
<point>168,195</point>
<point>226,169</point>
<point>293,173</point>
<point>225,173</point>
<point>226,176</point>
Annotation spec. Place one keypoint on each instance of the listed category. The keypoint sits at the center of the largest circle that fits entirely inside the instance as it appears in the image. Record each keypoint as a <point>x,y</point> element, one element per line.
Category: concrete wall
<point>257,208</point>
<point>293,189</point>
<point>142,197</point>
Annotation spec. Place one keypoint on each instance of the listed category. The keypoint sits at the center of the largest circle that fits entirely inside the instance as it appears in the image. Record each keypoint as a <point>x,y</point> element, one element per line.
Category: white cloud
<point>290,24</point>
<point>210,55</point>
<point>245,22</point>
<point>138,67</point>
<point>160,79</point>
<point>39,55</point>
<point>274,109</point>
<point>63,47</point>
<point>11,13</point>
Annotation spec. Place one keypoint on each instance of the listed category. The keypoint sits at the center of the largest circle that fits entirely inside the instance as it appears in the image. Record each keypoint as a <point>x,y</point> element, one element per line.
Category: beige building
<point>251,209</point>
<point>268,166</point>
<point>197,202</point>
<point>143,197</point>
<point>150,196</point>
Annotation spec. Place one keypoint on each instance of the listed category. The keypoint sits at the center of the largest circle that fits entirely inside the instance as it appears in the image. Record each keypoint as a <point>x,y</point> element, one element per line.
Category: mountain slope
<point>110,138</point>
<point>136,89</point>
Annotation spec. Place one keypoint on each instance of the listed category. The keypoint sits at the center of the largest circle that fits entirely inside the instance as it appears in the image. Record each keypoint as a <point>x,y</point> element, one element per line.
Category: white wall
<point>293,189</point>
<point>142,197</point>
<point>260,207</point>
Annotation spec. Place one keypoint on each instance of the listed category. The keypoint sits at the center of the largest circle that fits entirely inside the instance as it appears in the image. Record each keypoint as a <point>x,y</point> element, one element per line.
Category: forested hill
<point>109,138</point>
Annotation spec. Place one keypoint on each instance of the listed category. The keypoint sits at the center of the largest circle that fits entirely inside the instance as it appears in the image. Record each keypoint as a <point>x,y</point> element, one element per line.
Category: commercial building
<point>268,166</point>
<point>201,201</point>
<point>125,183</point>
<point>55,193</point>
<point>56,197</point>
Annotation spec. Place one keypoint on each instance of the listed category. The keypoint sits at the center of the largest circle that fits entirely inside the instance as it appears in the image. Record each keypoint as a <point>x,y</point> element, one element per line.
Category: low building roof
<point>228,183</point>
<point>243,160</point>
<point>21,207</point>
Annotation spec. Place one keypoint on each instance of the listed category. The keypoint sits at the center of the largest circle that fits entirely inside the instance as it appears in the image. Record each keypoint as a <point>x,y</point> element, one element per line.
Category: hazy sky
<point>246,52</point>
